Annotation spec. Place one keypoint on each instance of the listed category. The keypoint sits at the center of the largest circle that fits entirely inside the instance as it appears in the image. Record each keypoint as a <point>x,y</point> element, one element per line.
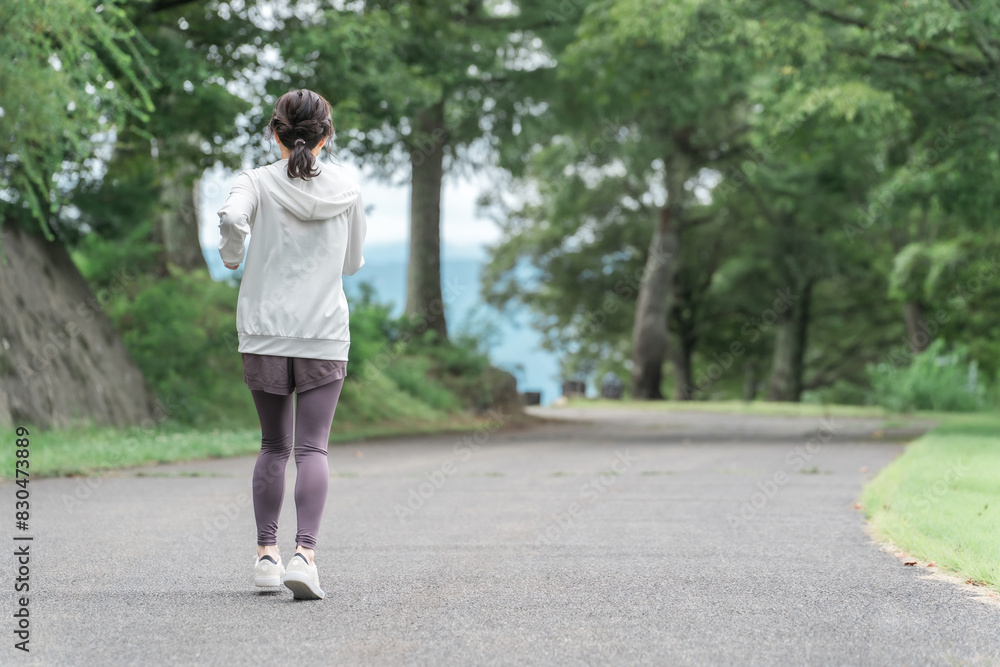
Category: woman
<point>308,226</point>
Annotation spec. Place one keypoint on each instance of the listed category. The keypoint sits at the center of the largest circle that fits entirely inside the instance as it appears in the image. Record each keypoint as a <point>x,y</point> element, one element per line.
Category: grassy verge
<point>378,409</point>
<point>940,500</point>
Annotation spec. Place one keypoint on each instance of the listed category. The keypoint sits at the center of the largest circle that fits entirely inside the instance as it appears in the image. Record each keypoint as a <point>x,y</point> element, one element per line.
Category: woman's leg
<point>276,421</point>
<point>313,419</point>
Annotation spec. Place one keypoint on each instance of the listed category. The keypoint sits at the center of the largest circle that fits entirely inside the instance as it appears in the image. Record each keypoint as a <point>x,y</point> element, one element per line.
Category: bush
<point>936,379</point>
<point>841,392</point>
<point>181,331</point>
<point>372,330</point>
<point>413,375</point>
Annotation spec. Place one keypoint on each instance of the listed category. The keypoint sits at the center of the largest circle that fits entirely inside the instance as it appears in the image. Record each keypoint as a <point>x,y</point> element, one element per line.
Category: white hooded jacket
<point>307,234</point>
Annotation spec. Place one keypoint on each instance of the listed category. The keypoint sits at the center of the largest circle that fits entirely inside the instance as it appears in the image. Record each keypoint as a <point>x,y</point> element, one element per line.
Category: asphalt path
<point>601,537</point>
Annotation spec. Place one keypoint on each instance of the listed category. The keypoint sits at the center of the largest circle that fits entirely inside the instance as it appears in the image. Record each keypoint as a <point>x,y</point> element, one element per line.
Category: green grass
<point>940,500</point>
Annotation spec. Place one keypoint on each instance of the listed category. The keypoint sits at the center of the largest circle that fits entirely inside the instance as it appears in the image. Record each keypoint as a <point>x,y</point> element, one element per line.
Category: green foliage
<point>69,71</point>
<point>372,328</point>
<point>180,331</point>
<point>936,379</point>
<point>446,375</point>
<point>192,125</point>
<point>459,365</point>
<point>414,376</point>
<point>101,261</point>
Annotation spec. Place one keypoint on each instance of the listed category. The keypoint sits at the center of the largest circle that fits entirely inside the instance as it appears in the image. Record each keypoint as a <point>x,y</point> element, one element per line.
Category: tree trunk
<point>423,278</point>
<point>749,381</point>
<point>177,223</point>
<point>649,333</point>
<point>684,379</point>
<point>62,363</point>
<point>789,350</point>
<point>916,326</point>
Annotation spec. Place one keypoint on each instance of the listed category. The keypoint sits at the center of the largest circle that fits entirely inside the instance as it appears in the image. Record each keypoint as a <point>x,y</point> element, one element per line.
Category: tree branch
<point>840,18</point>
<point>957,61</point>
<point>976,35</point>
<point>163,5</point>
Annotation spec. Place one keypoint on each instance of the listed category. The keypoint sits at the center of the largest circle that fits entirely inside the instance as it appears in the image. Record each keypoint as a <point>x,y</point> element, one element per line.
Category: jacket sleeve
<point>236,219</point>
<point>357,227</point>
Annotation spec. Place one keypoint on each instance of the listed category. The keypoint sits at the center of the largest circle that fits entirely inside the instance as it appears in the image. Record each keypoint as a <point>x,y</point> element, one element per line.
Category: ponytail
<point>301,120</point>
<point>302,163</point>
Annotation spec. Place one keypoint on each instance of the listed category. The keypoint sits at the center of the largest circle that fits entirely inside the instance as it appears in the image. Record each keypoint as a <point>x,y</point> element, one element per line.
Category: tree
<point>683,100</point>
<point>70,74</point>
<point>428,89</point>
<point>154,171</point>
<point>939,60</point>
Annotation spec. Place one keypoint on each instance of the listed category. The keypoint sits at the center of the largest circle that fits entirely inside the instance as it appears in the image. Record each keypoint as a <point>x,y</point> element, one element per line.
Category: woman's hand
<point>231,266</point>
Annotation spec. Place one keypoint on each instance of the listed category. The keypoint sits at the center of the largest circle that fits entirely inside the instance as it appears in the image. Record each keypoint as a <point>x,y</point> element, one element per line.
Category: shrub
<point>181,332</point>
<point>936,379</point>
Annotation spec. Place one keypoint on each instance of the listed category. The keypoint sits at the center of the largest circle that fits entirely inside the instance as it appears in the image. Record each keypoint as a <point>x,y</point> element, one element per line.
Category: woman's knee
<point>281,446</point>
<point>310,448</point>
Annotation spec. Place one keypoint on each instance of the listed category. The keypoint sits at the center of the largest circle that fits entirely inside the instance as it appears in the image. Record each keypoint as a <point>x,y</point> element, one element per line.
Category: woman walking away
<point>308,225</point>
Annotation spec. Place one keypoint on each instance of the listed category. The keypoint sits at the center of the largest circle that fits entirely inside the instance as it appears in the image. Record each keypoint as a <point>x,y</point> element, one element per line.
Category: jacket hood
<point>321,198</point>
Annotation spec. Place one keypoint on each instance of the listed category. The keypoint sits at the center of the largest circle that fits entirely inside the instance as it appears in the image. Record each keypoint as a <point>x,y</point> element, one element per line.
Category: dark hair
<point>301,120</point>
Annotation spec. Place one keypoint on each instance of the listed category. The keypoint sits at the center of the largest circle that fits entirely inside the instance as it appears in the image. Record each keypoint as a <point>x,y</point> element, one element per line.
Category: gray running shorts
<point>282,375</point>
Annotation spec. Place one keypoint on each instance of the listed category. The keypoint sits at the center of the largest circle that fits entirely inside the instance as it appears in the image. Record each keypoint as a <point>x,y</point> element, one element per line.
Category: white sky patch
<point>706,181</point>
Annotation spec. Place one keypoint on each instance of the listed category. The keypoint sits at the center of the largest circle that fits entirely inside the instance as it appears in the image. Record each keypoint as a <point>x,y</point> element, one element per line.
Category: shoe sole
<point>267,582</point>
<point>301,587</point>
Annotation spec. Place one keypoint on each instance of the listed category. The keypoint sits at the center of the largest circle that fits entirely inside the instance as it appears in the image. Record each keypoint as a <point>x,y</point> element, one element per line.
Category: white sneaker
<point>267,571</point>
<point>302,579</point>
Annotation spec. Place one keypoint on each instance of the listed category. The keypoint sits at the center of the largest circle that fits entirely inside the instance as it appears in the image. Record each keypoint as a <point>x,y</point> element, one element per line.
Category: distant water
<point>515,346</point>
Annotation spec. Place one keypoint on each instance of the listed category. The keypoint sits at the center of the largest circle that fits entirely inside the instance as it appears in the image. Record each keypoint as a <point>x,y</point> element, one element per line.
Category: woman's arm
<point>357,228</point>
<point>236,219</point>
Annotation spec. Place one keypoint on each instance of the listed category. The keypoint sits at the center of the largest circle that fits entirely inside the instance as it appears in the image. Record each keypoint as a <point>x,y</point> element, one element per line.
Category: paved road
<point>636,537</point>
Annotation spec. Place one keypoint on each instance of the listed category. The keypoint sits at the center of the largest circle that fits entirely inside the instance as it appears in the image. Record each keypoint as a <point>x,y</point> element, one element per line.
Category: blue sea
<point>513,344</point>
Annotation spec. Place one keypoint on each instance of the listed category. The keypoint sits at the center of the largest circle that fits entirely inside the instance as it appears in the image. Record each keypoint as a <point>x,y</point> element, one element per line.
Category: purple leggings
<point>312,421</point>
